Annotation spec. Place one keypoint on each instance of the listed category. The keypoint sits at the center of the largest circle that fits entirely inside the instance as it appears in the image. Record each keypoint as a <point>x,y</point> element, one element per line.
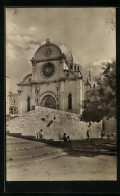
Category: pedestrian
<point>87,134</point>
<point>41,133</point>
<point>37,135</point>
<point>64,137</point>
<point>68,139</point>
<point>108,135</point>
<point>102,134</point>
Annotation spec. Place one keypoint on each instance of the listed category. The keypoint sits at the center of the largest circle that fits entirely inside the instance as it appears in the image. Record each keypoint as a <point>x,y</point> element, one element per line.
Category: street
<point>81,160</point>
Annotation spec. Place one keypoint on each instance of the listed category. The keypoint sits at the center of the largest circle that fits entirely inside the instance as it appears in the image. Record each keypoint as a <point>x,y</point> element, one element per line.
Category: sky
<point>88,32</point>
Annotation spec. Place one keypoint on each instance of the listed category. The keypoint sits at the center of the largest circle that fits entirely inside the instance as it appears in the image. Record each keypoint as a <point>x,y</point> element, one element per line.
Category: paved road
<point>18,150</point>
<point>84,160</point>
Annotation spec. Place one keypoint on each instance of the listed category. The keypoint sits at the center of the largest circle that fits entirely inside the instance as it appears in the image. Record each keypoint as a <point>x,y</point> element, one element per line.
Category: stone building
<point>56,82</point>
<point>13,103</point>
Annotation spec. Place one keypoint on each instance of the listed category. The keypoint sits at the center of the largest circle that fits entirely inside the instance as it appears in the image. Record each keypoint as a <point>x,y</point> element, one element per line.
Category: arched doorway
<point>28,104</point>
<point>48,101</point>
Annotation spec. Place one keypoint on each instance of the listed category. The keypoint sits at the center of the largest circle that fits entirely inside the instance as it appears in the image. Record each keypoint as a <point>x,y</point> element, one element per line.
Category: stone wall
<point>54,123</point>
<point>110,125</point>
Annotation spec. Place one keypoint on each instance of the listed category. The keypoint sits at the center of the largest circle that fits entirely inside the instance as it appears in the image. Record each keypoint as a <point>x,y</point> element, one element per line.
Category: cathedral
<point>56,82</point>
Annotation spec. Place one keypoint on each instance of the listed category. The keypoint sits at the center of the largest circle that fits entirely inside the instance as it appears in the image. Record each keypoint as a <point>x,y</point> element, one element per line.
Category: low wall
<point>110,125</point>
<point>53,123</point>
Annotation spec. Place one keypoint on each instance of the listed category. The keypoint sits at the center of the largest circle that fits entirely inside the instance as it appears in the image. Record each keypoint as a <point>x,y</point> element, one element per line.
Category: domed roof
<point>75,59</point>
<point>64,50</point>
<point>49,50</point>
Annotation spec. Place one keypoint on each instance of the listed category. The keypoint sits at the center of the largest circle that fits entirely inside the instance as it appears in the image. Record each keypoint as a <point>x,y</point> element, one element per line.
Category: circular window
<point>48,52</point>
<point>48,70</point>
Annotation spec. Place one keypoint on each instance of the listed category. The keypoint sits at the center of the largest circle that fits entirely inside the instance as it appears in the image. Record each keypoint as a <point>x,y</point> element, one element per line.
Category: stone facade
<point>56,82</point>
<point>13,103</point>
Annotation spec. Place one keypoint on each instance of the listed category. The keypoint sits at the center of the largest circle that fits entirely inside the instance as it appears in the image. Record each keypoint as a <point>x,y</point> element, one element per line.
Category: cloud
<point>32,29</point>
<point>96,67</point>
<point>83,30</point>
<point>12,28</point>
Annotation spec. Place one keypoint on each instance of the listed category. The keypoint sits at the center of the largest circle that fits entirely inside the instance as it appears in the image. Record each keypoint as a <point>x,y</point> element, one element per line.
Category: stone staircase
<point>21,151</point>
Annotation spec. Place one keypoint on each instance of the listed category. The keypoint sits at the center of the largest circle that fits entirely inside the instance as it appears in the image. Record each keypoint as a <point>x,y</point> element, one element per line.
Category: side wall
<point>22,99</point>
<point>110,125</point>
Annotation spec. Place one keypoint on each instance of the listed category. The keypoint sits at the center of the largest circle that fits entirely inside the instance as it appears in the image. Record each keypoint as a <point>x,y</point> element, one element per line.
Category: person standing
<point>64,137</point>
<point>68,139</point>
<point>87,134</point>
<point>108,135</point>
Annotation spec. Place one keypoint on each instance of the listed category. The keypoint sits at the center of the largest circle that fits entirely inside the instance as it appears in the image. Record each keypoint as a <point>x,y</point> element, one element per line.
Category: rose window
<point>48,70</point>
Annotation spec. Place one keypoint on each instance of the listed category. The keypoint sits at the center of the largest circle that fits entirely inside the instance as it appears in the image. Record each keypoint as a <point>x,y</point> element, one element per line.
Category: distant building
<point>56,82</point>
<point>13,103</point>
<point>89,83</point>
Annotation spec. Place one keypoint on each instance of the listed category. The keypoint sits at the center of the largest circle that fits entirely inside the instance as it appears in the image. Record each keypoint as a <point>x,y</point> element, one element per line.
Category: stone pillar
<point>58,96</point>
<point>20,99</point>
<point>37,95</point>
<point>20,104</point>
<point>32,96</point>
<point>79,96</point>
<point>61,67</point>
<point>33,73</point>
<point>62,95</point>
<point>33,61</point>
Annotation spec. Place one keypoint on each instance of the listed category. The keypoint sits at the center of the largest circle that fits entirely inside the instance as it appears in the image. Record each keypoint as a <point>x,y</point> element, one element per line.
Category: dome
<point>64,50</point>
<point>70,59</point>
<point>75,59</point>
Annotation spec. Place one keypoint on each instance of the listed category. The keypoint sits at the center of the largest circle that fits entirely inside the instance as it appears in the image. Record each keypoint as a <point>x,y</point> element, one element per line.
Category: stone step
<point>19,161</point>
<point>33,152</point>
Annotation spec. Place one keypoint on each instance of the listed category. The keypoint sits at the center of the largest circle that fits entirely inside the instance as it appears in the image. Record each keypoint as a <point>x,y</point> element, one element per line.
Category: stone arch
<point>48,100</point>
<point>26,77</point>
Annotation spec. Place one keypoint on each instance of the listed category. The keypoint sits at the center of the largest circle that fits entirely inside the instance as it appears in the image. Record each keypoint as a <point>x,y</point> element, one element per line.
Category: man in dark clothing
<point>108,135</point>
<point>64,137</point>
<point>87,134</point>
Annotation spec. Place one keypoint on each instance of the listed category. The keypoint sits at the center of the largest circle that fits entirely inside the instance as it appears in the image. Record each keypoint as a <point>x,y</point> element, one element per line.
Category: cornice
<point>35,61</point>
<point>45,82</point>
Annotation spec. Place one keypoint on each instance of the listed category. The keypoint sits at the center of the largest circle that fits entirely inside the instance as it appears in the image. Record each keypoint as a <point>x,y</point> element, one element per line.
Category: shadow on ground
<point>76,148</point>
<point>92,147</point>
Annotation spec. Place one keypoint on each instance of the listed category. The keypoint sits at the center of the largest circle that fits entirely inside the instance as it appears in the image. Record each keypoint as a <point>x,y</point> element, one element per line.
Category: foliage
<point>101,101</point>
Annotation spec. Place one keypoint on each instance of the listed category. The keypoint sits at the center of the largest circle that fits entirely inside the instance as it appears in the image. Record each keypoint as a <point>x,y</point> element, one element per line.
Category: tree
<point>101,101</point>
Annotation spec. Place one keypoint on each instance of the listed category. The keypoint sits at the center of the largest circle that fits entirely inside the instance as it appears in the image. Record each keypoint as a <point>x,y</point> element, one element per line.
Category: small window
<point>28,104</point>
<point>70,101</point>
<point>14,100</point>
<point>78,68</point>
<point>11,111</point>
<point>15,110</point>
<point>75,67</point>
